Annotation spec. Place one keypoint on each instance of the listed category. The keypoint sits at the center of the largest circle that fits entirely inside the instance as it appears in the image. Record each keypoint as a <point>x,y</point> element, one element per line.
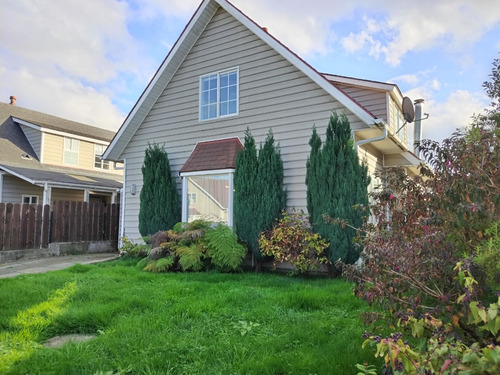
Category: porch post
<point>47,194</point>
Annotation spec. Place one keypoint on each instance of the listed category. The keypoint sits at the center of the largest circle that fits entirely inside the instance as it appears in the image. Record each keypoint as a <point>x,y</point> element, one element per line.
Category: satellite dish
<point>408,110</point>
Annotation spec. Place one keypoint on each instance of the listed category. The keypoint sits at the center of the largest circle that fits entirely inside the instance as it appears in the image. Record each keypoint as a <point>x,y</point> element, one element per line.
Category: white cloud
<point>62,97</point>
<point>84,39</point>
<point>422,25</point>
<point>305,28</point>
<point>450,115</point>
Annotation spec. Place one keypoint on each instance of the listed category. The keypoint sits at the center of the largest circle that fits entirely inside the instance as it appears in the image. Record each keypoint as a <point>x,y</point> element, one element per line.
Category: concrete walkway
<point>40,265</point>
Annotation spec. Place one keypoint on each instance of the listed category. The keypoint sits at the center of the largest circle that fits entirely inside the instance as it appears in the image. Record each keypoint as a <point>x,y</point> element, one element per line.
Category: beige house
<point>45,158</point>
<point>226,73</point>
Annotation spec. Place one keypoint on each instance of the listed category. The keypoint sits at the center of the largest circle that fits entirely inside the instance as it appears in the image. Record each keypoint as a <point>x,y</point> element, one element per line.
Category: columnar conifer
<point>336,184</point>
<point>160,204</point>
<point>259,197</point>
<point>246,194</point>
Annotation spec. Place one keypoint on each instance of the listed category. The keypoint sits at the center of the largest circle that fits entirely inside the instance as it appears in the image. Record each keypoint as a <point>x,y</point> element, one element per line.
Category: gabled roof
<point>45,121</point>
<point>18,158</point>
<point>181,49</point>
<point>213,155</point>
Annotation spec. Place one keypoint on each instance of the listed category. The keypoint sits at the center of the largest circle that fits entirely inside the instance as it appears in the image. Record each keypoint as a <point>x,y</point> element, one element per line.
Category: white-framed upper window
<point>70,155</point>
<point>30,199</point>
<point>98,162</point>
<point>219,94</point>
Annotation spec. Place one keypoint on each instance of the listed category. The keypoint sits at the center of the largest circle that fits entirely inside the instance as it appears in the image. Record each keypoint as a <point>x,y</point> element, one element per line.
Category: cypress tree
<point>270,171</point>
<point>160,207</point>
<point>336,183</point>
<point>247,195</point>
<point>259,197</point>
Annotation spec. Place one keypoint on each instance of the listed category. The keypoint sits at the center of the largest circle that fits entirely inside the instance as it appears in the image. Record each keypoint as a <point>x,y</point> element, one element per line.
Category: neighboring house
<point>45,158</point>
<point>224,74</point>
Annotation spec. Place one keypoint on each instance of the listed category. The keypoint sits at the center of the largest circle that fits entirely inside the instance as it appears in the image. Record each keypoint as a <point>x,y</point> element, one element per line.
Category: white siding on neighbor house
<point>14,188</point>
<point>35,139</point>
<point>272,94</point>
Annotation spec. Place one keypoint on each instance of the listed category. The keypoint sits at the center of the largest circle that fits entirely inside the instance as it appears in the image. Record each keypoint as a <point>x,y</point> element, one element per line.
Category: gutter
<point>380,124</point>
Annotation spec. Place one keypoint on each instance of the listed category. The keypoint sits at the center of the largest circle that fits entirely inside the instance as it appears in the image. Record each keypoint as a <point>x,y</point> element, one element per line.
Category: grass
<point>179,323</point>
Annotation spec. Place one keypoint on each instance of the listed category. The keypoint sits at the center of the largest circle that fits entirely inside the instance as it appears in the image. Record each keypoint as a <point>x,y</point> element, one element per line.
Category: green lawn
<point>179,323</point>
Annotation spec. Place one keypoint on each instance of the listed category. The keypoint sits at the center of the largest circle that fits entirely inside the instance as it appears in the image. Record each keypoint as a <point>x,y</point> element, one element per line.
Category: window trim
<point>219,73</point>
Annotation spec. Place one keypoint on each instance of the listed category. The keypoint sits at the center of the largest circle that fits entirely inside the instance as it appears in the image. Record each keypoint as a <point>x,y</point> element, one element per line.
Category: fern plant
<point>191,257</point>
<point>223,248</point>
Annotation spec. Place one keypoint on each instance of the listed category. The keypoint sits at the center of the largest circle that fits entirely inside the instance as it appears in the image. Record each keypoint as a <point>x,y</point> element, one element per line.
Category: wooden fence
<point>25,226</point>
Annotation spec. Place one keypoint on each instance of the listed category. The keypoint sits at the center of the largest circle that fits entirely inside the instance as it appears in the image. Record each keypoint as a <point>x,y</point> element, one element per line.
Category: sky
<point>89,61</point>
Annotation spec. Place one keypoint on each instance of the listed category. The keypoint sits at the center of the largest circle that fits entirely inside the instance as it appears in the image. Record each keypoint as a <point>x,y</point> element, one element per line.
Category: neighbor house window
<point>30,199</point>
<point>98,162</point>
<point>208,197</point>
<point>219,94</point>
<point>70,155</point>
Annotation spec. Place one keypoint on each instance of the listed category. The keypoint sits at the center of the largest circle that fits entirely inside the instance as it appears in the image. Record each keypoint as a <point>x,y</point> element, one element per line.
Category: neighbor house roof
<point>18,158</point>
<point>213,155</point>
<point>181,49</point>
<point>48,122</point>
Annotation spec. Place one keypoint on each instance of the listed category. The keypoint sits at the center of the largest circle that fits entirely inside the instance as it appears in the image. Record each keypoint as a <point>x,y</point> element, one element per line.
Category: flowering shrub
<point>292,240</point>
<point>431,257</point>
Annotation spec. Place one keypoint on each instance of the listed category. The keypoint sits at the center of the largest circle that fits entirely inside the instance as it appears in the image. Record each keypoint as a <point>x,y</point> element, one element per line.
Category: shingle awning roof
<point>213,155</point>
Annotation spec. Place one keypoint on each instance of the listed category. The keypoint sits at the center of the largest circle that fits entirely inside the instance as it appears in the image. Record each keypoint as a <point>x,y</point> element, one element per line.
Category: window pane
<point>205,84</point>
<point>204,112</point>
<point>232,93</point>
<point>224,109</point>
<point>213,96</point>
<point>212,111</point>
<point>204,98</point>
<point>224,94</point>
<point>232,107</point>
<point>34,200</point>
<point>233,78</point>
<point>224,80</point>
<point>26,200</point>
<point>208,198</point>
<point>213,82</point>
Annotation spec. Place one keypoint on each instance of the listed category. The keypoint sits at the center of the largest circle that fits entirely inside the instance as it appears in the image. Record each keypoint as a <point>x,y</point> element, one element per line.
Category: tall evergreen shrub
<point>160,207</point>
<point>259,197</point>
<point>336,184</point>
<point>247,194</point>
<point>273,195</point>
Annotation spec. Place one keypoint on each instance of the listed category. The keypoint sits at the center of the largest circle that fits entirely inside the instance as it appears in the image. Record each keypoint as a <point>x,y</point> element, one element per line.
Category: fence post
<point>16,220</point>
<point>2,225</point>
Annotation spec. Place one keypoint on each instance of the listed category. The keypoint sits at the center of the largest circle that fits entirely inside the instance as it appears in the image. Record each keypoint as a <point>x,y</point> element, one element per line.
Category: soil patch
<point>58,341</point>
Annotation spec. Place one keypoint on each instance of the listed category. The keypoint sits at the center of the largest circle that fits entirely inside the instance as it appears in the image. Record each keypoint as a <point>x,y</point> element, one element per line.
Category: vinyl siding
<point>67,195</point>
<point>272,94</point>
<point>374,101</point>
<point>35,139</point>
<point>14,189</point>
<point>54,152</point>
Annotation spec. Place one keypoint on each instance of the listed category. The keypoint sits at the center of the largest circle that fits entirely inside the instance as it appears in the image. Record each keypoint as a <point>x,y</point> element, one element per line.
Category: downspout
<point>121,223</point>
<point>379,123</point>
